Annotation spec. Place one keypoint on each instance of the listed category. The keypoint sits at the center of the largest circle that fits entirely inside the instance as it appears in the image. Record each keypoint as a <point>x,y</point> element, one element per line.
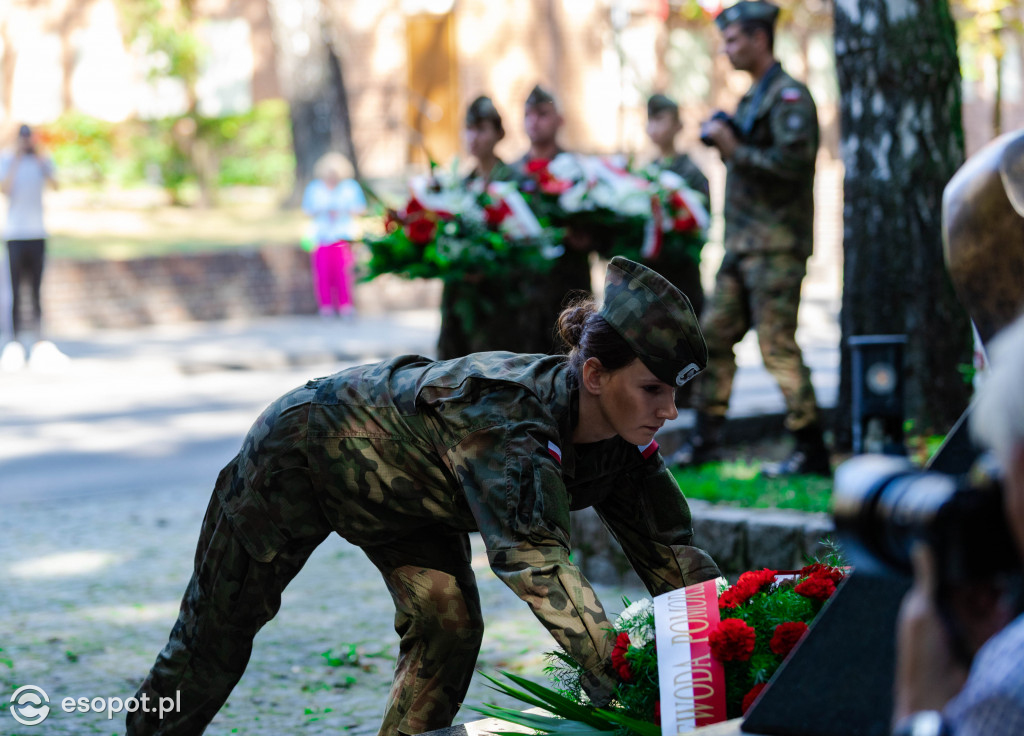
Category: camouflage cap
<point>481,109</point>
<point>747,10</point>
<point>539,96</point>
<point>659,103</point>
<point>655,319</point>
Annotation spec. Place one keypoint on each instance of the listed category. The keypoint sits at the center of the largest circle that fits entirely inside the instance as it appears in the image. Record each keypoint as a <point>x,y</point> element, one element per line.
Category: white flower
<point>576,199</point>
<point>670,180</point>
<point>565,166</point>
<point>638,621</point>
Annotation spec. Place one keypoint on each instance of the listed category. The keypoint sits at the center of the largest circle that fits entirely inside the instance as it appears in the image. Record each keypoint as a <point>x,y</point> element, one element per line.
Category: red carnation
<point>495,214</point>
<point>786,636</point>
<point>729,599</point>
<point>421,231</point>
<point>818,570</point>
<point>551,185</point>
<point>684,224</point>
<point>733,640</point>
<point>751,583</point>
<point>537,166</point>
<point>413,207</point>
<point>751,696</point>
<point>816,588</point>
<point>619,663</point>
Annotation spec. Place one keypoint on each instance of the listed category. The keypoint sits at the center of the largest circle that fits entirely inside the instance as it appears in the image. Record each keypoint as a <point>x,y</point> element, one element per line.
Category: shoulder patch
<point>790,94</point>
<point>555,451</point>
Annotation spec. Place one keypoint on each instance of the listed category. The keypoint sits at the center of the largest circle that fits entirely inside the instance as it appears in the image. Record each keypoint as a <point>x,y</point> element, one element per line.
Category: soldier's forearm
<point>561,599</point>
<point>777,162</point>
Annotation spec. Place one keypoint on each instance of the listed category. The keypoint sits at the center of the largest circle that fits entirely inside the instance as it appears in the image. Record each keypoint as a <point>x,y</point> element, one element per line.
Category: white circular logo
<point>686,374</point>
<point>30,705</point>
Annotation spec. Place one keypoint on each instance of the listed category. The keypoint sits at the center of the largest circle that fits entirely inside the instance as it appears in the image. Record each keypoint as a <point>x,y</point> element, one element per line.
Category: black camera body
<point>882,505</point>
<point>721,117</point>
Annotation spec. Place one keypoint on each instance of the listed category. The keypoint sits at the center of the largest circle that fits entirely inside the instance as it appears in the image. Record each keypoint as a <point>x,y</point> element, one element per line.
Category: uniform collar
<point>568,418</point>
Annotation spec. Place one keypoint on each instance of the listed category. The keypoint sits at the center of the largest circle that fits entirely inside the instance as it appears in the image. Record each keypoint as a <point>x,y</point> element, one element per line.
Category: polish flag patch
<point>649,449</point>
<point>790,94</point>
<point>555,451</point>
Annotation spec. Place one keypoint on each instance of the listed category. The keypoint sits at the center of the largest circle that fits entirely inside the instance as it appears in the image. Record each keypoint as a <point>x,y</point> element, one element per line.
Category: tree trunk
<point>312,82</point>
<point>902,140</point>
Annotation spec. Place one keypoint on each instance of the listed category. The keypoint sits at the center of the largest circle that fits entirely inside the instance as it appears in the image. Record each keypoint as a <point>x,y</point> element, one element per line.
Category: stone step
<point>739,539</point>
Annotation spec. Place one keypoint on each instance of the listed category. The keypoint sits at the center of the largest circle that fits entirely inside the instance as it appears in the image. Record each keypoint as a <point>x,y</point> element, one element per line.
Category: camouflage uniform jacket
<point>769,188</point>
<point>414,446</point>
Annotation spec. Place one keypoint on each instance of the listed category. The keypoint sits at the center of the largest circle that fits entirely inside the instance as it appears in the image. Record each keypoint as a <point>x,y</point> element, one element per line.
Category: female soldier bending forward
<point>405,458</point>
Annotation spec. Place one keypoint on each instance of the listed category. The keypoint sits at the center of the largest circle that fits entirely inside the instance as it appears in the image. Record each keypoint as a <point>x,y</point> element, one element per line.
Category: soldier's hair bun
<point>573,320</point>
<point>588,335</point>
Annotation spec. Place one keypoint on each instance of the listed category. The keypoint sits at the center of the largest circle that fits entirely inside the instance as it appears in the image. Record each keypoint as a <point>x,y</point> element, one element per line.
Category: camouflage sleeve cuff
<point>599,683</point>
<point>695,565</point>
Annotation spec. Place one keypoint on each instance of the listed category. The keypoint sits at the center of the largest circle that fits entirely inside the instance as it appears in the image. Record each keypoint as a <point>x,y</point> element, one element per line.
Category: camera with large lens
<point>882,505</point>
<point>721,117</point>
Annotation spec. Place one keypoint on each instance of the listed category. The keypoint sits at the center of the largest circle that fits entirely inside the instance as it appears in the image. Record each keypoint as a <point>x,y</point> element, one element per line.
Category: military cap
<point>655,319</point>
<point>660,103</point>
<point>539,96</point>
<point>747,10</point>
<point>481,109</point>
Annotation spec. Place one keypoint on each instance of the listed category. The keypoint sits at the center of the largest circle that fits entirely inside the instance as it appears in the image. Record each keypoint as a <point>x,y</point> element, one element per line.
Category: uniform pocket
<point>248,513</point>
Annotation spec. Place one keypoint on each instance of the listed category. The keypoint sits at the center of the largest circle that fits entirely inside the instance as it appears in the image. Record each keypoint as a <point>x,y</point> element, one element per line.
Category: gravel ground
<point>91,589</point>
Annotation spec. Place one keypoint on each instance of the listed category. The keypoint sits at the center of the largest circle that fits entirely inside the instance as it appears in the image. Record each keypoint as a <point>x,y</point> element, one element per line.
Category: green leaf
<point>546,724</point>
<point>550,700</point>
<point>641,727</point>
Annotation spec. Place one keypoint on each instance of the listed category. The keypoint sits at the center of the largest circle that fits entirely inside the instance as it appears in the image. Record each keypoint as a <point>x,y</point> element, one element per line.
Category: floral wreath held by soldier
<point>421,453</point>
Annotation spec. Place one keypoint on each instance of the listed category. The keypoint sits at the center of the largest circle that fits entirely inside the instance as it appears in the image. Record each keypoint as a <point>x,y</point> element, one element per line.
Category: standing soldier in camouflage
<point>405,458</point>
<point>474,310</point>
<point>569,277</point>
<point>769,148</point>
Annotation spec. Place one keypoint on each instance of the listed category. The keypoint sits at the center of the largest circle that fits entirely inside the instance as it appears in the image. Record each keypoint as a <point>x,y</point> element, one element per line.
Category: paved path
<point>106,469</point>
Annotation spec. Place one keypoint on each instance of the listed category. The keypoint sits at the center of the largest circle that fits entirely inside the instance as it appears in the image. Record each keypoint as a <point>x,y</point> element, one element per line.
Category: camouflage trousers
<point>231,596</point>
<point>760,291</point>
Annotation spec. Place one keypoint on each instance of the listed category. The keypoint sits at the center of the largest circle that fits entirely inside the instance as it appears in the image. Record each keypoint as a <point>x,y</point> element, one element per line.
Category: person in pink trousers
<point>333,199</point>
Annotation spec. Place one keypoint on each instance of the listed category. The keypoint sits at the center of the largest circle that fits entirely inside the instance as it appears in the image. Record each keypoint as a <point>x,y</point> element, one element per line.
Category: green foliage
<point>740,483</point>
<point>167,32</point>
<point>253,148</point>
<point>83,148</point>
<point>348,657</point>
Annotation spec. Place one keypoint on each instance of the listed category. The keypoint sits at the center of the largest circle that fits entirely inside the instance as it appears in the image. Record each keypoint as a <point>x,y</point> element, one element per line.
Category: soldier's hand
<point>928,674</point>
<point>599,684</point>
<point>721,135</point>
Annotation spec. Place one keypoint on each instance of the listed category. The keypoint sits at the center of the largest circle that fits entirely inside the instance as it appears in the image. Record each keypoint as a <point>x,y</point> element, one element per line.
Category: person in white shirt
<point>24,172</point>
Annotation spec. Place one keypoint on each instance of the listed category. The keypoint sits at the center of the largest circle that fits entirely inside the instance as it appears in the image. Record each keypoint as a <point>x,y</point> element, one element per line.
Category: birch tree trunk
<point>901,141</point>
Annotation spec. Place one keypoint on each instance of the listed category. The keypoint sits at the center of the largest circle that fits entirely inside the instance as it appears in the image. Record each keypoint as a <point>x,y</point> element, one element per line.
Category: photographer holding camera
<point>940,688</point>
<point>769,148</point>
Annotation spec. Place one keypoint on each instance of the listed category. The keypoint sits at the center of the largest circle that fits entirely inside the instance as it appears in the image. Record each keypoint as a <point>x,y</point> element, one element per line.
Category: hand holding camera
<point>720,131</point>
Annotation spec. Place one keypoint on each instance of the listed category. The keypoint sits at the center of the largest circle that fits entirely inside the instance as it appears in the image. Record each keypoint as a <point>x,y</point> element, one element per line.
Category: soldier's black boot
<point>809,457</point>
<point>702,446</point>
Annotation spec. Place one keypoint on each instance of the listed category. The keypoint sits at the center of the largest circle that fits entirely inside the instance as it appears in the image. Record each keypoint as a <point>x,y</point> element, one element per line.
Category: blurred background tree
<point>312,80</point>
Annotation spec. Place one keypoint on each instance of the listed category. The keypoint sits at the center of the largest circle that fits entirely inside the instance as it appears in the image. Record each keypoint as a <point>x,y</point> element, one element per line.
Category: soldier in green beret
<point>474,311</point>
<point>769,147</point>
<point>406,458</point>
<point>569,276</point>
<point>679,259</point>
